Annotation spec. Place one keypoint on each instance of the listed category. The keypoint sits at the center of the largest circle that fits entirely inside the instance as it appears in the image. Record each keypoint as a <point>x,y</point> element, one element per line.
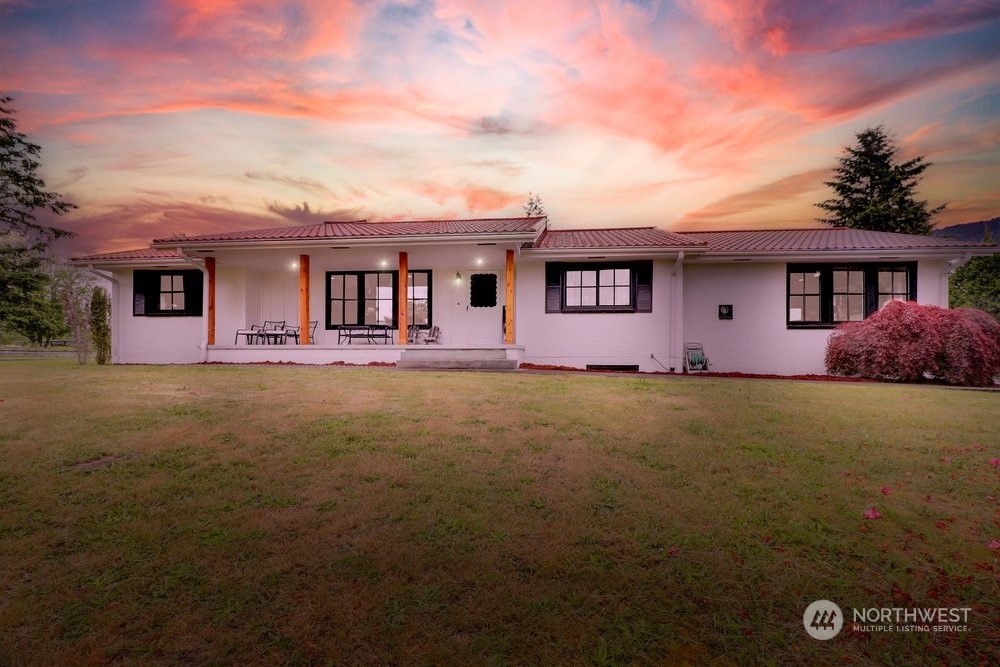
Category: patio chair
<point>293,332</point>
<point>250,334</point>
<point>272,332</point>
<point>413,334</point>
<point>433,335</point>
<point>694,357</point>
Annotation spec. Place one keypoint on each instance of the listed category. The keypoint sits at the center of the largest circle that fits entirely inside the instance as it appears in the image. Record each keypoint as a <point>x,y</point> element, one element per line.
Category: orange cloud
<point>476,199</point>
<point>766,196</point>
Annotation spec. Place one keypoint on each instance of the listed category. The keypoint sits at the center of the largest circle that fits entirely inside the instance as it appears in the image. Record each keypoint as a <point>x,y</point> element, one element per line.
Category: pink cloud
<point>782,27</point>
<point>476,199</point>
<point>133,224</point>
<point>773,193</point>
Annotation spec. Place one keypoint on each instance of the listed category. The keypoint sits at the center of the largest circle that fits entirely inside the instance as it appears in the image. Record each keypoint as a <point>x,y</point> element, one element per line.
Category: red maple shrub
<point>908,342</point>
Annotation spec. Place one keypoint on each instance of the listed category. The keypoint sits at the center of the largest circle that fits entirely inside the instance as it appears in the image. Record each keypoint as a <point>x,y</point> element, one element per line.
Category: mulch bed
<point>759,376</point>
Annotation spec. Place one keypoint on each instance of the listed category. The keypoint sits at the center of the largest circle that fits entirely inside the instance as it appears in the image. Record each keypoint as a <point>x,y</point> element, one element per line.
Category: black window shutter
<point>553,287</point>
<point>193,283</point>
<point>141,302</point>
<point>643,287</point>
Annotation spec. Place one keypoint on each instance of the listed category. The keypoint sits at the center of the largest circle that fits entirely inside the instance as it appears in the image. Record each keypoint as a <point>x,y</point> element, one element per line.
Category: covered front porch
<point>364,304</point>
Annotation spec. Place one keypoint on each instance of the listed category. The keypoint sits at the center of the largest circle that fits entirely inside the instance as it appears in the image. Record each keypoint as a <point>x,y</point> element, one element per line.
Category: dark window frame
<point>871,293</point>
<point>146,293</point>
<point>360,300</point>
<point>640,286</point>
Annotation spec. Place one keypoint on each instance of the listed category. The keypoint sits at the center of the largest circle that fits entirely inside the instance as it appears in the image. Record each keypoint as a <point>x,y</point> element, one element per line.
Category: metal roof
<point>363,229</point>
<point>828,239</point>
<point>139,255</point>
<point>632,237</point>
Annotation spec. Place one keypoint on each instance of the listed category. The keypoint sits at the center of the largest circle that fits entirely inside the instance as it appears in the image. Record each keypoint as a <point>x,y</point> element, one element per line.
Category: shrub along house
<point>511,290</point>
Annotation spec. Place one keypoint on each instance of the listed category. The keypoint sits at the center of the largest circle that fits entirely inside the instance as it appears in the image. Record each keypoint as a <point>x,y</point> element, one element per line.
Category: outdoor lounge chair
<point>694,357</point>
<point>413,334</point>
<point>273,332</point>
<point>293,332</point>
<point>433,335</point>
<point>250,334</point>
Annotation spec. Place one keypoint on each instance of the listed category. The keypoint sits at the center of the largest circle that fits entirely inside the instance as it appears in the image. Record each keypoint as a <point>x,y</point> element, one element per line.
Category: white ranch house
<point>514,291</point>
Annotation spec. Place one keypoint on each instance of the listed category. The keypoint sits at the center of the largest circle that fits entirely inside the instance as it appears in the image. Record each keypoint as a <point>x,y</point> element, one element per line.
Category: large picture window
<point>167,292</point>
<point>370,298</point>
<point>824,295</point>
<point>599,287</point>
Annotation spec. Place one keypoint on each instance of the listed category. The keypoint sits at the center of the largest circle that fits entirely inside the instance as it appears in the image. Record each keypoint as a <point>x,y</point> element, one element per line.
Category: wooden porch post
<point>404,279</point>
<point>210,269</point>
<point>509,316</point>
<point>304,300</point>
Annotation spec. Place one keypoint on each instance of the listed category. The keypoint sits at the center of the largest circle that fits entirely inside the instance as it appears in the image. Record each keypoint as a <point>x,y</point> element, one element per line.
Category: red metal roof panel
<point>792,240</point>
<point>151,254</point>
<point>364,229</point>
<point>632,237</point>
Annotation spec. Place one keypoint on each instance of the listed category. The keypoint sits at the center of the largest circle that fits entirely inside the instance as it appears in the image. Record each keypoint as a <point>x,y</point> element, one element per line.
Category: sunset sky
<point>165,116</point>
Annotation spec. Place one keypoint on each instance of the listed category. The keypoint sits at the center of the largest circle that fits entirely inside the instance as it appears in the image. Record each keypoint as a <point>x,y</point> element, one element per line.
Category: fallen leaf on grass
<point>941,524</point>
<point>872,513</point>
<point>994,544</point>
<point>886,490</point>
<point>995,463</point>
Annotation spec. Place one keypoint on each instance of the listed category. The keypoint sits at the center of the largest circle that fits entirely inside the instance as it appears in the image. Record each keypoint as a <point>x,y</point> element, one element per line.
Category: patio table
<point>371,333</point>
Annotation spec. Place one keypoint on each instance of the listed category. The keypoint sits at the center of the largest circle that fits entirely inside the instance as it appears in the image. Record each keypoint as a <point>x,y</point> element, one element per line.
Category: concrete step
<point>457,364</point>
<point>436,352</point>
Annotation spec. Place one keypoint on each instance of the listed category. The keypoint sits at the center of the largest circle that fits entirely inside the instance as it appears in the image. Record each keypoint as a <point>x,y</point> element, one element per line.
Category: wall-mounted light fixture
<point>458,277</point>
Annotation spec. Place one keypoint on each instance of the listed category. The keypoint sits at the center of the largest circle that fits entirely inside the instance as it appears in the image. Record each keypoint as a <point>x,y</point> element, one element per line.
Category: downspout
<point>204,273</point>
<point>115,293</point>
<point>677,316</point>
<point>953,266</point>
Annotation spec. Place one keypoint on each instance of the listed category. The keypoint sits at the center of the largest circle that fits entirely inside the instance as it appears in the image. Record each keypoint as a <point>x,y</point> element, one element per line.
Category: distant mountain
<point>970,231</point>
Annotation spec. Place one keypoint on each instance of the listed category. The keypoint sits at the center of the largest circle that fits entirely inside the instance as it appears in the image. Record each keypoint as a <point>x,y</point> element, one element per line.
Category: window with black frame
<point>371,298</point>
<point>825,295</point>
<point>167,292</point>
<point>599,287</point>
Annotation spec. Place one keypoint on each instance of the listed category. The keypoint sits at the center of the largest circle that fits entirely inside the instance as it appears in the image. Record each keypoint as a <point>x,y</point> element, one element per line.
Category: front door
<point>480,309</point>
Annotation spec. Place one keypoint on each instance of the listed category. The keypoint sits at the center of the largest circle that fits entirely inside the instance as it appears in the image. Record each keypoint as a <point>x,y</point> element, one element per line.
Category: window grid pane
<point>893,285</point>
<point>804,296</point>
<point>848,295</point>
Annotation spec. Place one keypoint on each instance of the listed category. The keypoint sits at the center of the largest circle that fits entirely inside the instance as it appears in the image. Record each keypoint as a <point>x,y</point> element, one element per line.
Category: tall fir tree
<point>875,191</point>
<point>23,240</point>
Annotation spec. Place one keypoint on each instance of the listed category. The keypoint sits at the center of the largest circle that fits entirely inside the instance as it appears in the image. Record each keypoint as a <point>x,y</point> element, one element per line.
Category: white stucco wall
<point>146,339</point>
<point>579,339</point>
<point>757,339</point>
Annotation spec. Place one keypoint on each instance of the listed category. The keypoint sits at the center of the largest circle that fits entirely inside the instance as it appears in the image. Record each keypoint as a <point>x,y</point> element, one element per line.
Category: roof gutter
<point>873,254</point>
<point>678,264</point>
<point>203,346</point>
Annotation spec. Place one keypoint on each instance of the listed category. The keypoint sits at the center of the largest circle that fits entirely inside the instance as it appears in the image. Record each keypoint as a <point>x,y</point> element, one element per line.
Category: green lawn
<point>321,515</point>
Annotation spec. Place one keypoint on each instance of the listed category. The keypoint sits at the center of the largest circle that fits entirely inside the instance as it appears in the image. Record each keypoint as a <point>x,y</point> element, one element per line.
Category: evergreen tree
<point>976,284</point>
<point>22,192</point>
<point>534,206</point>
<point>23,241</point>
<point>875,191</point>
<point>100,324</point>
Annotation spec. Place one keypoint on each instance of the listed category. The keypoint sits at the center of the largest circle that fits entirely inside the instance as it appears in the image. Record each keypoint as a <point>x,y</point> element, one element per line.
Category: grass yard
<point>318,515</point>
